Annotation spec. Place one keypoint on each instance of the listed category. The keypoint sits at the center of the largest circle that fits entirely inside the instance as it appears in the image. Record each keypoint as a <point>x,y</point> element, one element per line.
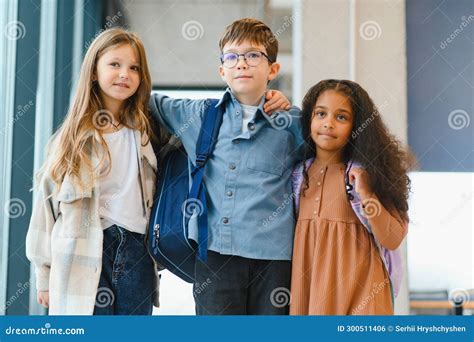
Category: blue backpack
<point>180,201</point>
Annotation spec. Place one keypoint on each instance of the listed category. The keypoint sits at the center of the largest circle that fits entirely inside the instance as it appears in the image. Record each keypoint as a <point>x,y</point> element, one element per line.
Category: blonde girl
<point>86,237</point>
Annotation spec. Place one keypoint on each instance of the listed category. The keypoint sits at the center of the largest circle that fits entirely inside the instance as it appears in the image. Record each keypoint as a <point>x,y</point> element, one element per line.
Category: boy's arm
<point>177,115</point>
<point>290,120</point>
<point>275,100</point>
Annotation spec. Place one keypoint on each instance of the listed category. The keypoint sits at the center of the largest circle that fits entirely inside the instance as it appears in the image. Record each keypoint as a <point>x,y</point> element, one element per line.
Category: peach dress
<point>336,267</point>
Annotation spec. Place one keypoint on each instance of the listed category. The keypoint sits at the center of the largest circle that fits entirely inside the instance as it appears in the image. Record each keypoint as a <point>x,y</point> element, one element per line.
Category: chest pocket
<point>268,151</point>
<point>75,214</point>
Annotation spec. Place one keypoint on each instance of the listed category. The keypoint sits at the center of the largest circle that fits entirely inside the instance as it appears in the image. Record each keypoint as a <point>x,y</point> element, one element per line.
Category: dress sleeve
<point>387,226</point>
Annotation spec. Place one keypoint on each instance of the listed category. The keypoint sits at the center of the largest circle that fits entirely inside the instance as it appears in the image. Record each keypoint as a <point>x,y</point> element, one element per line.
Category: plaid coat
<point>65,236</point>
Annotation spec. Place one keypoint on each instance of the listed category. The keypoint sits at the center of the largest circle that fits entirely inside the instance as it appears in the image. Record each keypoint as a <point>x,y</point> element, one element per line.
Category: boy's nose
<point>242,63</point>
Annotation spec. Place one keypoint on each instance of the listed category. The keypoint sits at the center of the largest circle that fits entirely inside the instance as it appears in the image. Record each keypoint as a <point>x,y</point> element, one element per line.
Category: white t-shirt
<point>120,200</point>
<point>248,114</point>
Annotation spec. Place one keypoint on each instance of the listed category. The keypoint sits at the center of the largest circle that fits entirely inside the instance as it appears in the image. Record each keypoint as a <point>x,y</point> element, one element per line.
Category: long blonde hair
<point>79,134</point>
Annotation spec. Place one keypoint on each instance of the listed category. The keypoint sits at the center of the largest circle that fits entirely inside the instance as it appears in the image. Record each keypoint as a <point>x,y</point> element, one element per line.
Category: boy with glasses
<point>250,201</point>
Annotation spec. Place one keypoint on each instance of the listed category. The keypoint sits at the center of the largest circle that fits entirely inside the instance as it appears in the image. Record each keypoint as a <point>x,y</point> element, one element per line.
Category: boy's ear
<point>274,70</point>
<point>221,72</point>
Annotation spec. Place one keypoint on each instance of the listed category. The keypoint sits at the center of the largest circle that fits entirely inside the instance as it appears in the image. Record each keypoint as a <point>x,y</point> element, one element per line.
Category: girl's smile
<point>122,85</point>
<point>327,135</point>
<point>118,76</point>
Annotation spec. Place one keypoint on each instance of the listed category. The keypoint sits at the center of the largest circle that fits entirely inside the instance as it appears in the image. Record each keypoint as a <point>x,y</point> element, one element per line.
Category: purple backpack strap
<point>394,264</point>
<point>297,181</point>
<point>392,259</point>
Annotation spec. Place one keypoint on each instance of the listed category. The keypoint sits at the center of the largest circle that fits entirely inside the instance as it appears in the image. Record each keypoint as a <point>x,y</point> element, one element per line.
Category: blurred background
<point>414,57</point>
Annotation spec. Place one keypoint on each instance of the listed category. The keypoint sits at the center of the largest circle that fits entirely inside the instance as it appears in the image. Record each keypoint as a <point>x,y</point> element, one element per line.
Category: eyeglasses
<point>252,58</point>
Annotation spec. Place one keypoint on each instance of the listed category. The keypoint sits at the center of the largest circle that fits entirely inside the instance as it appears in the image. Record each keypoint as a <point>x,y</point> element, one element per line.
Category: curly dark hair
<point>370,144</point>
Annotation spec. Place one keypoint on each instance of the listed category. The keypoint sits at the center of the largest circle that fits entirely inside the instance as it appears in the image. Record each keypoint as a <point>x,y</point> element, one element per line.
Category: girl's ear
<point>94,76</point>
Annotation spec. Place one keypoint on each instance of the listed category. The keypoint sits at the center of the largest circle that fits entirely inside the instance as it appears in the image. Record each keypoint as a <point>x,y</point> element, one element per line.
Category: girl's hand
<point>43,298</point>
<point>362,183</point>
<point>275,100</point>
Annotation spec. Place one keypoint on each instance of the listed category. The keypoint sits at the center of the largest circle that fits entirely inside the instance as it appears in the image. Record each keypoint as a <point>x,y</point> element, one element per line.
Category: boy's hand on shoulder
<point>274,101</point>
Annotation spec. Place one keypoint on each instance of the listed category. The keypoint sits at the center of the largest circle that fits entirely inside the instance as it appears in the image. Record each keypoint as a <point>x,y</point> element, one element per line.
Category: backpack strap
<point>206,142</point>
<point>207,139</point>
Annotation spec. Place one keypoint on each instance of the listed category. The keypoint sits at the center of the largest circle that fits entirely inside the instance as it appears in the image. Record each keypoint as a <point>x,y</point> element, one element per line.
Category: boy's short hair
<point>252,30</point>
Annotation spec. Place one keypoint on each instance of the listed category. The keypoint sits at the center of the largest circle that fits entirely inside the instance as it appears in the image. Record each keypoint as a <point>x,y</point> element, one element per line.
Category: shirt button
<point>319,183</point>
<point>322,171</point>
<point>229,193</point>
<point>315,212</point>
<point>232,166</point>
<point>317,198</point>
<point>225,220</point>
<point>237,113</point>
<point>251,127</point>
<point>236,142</point>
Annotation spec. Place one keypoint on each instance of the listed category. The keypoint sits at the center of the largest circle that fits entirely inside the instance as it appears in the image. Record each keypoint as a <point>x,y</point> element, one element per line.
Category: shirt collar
<point>229,95</point>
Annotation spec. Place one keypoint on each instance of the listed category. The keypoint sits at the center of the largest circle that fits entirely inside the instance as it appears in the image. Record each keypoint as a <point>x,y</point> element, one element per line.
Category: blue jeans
<point>233,285</point>
<point>126,285</point>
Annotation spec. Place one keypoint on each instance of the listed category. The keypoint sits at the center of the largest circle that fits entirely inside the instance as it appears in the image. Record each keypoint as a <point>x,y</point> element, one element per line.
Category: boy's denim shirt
<point>248,177</point>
